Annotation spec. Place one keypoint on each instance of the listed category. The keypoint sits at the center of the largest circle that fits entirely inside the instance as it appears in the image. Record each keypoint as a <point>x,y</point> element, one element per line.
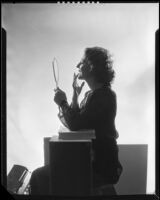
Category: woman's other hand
<point>77,89</point>
<point>59,96</point>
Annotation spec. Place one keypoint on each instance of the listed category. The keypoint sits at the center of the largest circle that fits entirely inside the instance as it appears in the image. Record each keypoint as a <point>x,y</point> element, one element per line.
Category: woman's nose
<point>78,66</point>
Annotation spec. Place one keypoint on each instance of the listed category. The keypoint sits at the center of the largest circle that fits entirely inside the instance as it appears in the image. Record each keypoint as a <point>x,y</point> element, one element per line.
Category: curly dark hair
<point>102,63</point>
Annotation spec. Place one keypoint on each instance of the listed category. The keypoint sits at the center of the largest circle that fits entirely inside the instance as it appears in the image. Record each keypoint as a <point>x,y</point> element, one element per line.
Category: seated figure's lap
<point>40,183</point>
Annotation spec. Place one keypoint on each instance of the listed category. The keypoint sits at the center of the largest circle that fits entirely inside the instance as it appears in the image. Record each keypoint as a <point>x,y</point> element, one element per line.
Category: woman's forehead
<point>84,59</point>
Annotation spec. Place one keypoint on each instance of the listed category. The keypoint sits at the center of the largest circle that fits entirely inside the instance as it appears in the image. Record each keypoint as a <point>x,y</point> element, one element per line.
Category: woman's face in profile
<point>84,69</point>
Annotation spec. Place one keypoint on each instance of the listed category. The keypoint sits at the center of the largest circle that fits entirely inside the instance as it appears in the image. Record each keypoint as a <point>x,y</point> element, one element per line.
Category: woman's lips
<point>79,74</point>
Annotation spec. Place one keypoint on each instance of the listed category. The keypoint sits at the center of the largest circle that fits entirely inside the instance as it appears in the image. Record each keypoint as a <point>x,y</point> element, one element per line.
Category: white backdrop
<point>38,32</point>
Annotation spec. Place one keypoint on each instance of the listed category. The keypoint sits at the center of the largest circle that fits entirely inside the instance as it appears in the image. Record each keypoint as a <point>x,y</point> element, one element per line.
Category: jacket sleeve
<point>85,118</point>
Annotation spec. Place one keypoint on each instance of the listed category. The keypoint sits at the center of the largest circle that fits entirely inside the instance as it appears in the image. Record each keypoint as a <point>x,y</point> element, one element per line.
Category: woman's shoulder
<point>105,92</point>
<point>103,97</point>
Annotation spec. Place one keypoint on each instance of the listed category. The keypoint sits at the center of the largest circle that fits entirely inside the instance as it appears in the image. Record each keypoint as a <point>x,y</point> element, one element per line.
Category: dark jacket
<point>98,111</point>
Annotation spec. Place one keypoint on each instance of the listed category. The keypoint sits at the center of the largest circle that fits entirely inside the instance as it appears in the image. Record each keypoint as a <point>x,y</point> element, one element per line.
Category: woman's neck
<point>93,85</point>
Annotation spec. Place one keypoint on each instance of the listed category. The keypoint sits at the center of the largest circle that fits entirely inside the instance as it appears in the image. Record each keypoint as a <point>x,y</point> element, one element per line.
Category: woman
<point>97,111</point>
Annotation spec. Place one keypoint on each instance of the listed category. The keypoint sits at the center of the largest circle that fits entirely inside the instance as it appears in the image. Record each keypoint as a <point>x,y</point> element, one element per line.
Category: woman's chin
<point>80,77</point>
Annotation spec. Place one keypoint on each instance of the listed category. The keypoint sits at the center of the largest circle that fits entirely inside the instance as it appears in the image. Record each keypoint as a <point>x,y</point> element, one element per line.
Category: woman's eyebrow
<point>84,60</point>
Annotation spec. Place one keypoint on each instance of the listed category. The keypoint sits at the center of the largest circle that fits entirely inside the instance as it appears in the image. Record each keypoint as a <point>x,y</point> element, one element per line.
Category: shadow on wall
<point>134,177</point>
